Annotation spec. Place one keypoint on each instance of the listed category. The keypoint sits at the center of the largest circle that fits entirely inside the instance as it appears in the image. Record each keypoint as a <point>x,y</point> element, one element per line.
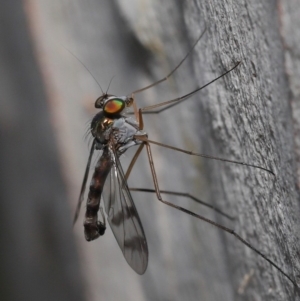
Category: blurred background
<point>251,115</point>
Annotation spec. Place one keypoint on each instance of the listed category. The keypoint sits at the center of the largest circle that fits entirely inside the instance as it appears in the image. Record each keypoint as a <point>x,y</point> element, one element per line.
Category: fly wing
<point>83,185</point>
<point>124,220</point>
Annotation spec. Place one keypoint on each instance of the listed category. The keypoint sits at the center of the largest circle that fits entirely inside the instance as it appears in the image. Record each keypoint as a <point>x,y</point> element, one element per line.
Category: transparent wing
<point>83,185</point>
<point>124,219</point>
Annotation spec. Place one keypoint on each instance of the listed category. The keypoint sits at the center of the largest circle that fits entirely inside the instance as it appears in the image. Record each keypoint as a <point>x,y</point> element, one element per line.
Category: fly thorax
<point>123,130</point>
<point>101,128</point>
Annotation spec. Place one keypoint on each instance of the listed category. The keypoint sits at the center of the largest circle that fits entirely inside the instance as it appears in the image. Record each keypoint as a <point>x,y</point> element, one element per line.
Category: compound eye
<point>114,106</point>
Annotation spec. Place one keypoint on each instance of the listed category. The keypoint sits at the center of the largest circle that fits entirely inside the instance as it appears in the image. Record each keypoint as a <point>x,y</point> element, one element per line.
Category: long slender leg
<point>135,111</point>
<point>228,230</point>
<point>180,63</point>
<point>136,155</point>
<point>144,138</point>
<point>162,80</point>
<point>177,100</point>
<point>173,102</point>
<point>186,195</point>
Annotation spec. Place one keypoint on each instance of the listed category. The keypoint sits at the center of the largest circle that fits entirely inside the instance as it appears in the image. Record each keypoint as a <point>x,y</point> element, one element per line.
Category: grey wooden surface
<point>250,115</point>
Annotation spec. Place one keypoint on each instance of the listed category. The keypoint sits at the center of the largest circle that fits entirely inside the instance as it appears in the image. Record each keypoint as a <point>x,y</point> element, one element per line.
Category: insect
<point>114,131</point>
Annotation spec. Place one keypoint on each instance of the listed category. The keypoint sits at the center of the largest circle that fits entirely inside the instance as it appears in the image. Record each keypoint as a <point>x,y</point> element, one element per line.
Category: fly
<point>113,133</point>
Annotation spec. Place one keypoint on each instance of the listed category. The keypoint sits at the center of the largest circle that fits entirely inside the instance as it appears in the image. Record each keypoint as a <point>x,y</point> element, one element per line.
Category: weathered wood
<point>245,116</point>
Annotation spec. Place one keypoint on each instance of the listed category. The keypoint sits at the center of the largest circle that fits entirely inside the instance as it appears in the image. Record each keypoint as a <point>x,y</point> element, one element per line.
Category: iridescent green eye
<point>114,106</point>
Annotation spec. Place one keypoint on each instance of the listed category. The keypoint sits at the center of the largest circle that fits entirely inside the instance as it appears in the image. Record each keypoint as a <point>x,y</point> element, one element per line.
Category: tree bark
<point>250,115</point>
